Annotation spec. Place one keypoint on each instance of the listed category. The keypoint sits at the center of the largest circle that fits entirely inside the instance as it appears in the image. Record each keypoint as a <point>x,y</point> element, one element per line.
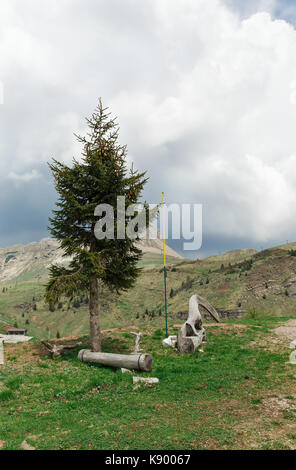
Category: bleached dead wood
<point>171,341</point>
<point>146,380</point>
<point>58,350</point>
<point>192,333</point>
<point>132,361</point>
<point>137,349</point>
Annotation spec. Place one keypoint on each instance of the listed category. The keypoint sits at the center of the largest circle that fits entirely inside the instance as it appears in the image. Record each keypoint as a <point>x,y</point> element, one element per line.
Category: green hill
<point>238,281</point>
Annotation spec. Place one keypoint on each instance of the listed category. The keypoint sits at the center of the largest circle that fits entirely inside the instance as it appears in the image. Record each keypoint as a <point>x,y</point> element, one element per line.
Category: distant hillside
<point>259,283</point>
<point>24,262</point>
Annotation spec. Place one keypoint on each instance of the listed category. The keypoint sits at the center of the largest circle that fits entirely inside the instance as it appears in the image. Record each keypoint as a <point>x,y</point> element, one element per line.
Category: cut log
<point>133,361</point>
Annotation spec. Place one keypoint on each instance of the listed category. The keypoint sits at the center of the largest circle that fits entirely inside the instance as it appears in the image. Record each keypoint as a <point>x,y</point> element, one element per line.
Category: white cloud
<point>232,118</point>
<point>205,99</point>
<point>25,177</point>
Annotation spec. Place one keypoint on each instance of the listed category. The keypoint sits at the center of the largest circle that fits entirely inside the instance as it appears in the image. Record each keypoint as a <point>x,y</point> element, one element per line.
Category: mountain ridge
<point>36,257</point>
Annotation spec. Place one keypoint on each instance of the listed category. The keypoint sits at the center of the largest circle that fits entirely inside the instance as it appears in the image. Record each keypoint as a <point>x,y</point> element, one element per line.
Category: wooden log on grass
<point>133,361</point>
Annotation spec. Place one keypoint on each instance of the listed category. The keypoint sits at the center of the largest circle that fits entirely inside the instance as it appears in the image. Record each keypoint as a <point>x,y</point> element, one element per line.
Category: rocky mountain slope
<point>33,260</point>
<point>238,282</point>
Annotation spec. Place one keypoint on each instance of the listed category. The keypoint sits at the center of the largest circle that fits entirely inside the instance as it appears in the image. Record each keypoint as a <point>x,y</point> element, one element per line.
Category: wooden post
<point>1,352</point>
<point>133,361</point>
<point>164,271</point>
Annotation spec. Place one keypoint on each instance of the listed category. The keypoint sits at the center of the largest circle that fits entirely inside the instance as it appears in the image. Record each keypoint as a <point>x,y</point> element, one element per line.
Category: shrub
<point>76,304</point>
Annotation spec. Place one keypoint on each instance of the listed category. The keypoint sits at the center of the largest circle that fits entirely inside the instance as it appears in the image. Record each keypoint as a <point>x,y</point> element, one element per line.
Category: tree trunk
<point>95,333</point>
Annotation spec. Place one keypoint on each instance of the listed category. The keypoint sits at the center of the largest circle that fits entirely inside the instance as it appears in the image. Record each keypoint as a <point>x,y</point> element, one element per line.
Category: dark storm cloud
<point>24,209</point>
<point>206,101</point>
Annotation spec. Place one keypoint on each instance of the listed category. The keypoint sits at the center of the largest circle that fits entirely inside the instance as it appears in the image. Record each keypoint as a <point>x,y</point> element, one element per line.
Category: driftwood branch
<point>192,333</point>
<point>138,340</point>
<point>58,350</point>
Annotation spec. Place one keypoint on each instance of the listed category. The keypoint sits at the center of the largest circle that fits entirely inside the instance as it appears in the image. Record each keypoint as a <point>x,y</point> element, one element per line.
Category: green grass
<point>203,401</point>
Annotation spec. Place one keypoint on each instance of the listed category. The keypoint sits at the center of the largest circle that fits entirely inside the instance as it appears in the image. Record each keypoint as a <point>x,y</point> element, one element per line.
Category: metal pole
<point>164,271</point>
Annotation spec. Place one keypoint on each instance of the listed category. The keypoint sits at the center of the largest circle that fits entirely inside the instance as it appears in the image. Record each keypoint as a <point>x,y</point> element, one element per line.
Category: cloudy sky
<point>204,91</point>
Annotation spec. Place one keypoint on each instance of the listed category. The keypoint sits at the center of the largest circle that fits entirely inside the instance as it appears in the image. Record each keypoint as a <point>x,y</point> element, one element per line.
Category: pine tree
<point>99,178</point>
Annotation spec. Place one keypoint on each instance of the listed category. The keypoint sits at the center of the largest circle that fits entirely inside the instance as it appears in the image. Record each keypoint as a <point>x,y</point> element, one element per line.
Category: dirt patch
<point>223,288</point>
<point>270,343</point>
<point>263,423</point>
<point>25,353</point>
<point>274,406</point>
<point>287,331</point>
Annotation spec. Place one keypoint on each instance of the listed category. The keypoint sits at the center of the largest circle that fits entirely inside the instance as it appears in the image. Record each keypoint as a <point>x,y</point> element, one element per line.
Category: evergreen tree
<point>99,178</point>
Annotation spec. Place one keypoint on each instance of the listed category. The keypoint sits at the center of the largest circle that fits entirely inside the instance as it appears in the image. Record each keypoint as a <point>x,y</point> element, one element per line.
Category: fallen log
<point>133,361</point>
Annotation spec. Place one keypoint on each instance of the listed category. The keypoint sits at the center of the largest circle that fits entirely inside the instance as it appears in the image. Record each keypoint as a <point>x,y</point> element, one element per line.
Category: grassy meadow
<point>238,394</point>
